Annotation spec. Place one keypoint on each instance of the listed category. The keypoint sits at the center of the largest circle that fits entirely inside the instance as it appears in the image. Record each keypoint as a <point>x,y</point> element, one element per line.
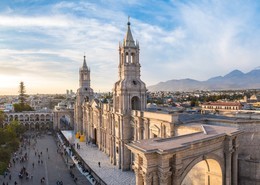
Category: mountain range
<point>233,80</point>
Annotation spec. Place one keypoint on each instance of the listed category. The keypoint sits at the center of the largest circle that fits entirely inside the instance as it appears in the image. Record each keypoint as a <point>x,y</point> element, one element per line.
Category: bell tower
<point>129,90</point>
<point>84,94</point>
<point>129,94</point>
<point>84,75</point>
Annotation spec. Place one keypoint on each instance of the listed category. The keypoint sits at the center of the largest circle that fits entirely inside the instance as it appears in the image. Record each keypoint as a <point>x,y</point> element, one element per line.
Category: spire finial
<point>84,61</point>
<point>128,40</point>
<point>128,23</point>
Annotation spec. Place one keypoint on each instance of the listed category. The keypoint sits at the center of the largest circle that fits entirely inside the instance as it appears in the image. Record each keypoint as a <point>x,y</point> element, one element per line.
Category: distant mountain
<point>233,80</point>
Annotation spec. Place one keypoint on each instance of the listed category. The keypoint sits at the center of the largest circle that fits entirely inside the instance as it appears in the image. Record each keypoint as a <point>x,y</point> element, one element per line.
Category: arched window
<point>132,58</point>
<point>126,58</point>
<point>135,103</point>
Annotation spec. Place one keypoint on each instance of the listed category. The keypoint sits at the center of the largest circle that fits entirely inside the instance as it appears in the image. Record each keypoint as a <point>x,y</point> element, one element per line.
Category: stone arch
<point>65,121</point>
<point>37,117</point>
<point>211,165</point>
<point>42,125</point>
<point>48,117</point>
<point>133,58</point>
<point>6,117</point>
<point>47,125</point>
<point>26,117</point>
<point>32,126</point>
<point>16,117</point>
<point>58,115</point>
<point>11,118</point>
<point>37,126</point>
<point>86,99</point>
<point>42,117</point>
<point>27,126</point>
<point>126,57</point>
<point>32,117</point>
<point>21,117</point>
<point>135,103</point>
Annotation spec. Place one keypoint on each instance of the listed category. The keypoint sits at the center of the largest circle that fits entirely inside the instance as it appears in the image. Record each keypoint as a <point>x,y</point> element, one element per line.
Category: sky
<point>42,42</point>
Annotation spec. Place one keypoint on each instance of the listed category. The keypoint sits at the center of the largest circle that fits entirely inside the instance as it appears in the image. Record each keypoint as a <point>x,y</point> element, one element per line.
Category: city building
<point>219,106</point>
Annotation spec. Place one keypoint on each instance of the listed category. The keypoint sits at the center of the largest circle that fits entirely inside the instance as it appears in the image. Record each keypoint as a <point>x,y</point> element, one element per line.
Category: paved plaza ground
<point>52,169</point>
<point>107,172</point>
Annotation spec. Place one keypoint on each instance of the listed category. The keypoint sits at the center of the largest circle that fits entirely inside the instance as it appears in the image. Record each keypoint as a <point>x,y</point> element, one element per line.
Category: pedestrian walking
<point>10,177</point>
<point>5,174</point>
<point>33,164</point>
<point>99,164</point>
<point>15,183</point>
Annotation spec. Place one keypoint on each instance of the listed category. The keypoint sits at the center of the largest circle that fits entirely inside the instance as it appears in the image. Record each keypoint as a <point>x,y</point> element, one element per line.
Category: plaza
<point>50,165</point>
<point>92,156</point>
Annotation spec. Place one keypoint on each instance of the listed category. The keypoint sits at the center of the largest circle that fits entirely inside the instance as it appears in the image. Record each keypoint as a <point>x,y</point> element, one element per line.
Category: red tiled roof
<point>223,103</point>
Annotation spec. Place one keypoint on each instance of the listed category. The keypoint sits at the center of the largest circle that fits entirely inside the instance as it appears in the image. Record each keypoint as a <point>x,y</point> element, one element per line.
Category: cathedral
<point>109,125</point>
<point>113,125</point>
<point>162,147</point>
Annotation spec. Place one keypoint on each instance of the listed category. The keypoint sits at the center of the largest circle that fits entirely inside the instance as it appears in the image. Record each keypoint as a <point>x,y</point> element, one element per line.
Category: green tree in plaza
<point>22,105</point>
<point>9,142</point>
<point>2,117</point>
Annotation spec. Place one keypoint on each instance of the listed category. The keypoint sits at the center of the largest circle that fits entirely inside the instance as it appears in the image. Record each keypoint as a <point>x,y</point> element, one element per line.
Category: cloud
<point>22,21</point>
<point>192,39</point>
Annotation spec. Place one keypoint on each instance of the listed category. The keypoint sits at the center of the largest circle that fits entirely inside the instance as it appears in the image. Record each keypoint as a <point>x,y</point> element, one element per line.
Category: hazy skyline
<point>42,42</point>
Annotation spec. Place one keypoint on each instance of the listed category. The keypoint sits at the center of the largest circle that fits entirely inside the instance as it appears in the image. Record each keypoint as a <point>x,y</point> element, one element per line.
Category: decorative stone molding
<point>148,177</point>
<point>164,176</point>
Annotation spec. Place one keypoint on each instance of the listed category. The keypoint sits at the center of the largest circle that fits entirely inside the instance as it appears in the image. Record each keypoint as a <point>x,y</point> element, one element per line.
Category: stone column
<point>164,177</point>
<point>228,161</point>
<point>177,168</point>
<point>139,132</point>
<point>138,177</point>
<point>234,162</point>
<point>148,178</point>
<point>155,178</point>
<point>164,172</point>
<point>228,168</point>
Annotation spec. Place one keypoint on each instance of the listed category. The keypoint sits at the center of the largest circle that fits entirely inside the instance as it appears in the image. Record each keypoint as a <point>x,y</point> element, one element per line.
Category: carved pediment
<point>155,129</point>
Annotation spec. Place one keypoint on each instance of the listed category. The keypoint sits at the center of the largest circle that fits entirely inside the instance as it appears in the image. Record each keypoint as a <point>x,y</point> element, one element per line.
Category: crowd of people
<point>28,144</point>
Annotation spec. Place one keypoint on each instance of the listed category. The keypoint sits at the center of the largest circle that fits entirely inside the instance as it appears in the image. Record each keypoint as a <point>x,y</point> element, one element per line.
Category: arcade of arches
<point>31,120</point>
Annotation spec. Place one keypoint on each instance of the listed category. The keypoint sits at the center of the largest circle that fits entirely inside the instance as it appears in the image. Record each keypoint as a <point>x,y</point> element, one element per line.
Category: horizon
<point>43,42</point>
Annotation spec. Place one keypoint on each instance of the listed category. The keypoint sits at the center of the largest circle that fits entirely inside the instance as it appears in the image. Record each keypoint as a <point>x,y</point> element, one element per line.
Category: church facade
<point>113,125</point>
